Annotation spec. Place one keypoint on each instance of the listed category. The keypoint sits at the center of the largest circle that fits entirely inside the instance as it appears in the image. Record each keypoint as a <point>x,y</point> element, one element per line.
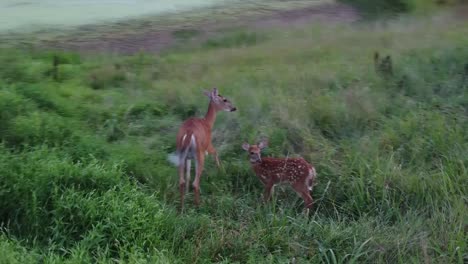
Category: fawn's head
<point>221,103</point>
<point>255,150</point>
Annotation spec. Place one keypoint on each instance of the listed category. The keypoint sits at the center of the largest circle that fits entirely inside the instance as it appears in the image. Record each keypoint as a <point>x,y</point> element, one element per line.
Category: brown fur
<point>271,171</point>
<point>200,129</point>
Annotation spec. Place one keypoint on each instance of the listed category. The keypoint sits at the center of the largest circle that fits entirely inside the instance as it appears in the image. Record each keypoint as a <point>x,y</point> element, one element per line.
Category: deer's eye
<point>224,100</point>
<point>252,153</point>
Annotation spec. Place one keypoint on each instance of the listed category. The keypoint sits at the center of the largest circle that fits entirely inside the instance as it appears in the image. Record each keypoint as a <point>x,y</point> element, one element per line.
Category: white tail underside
<point>178,157</point>
<point>185,156</point>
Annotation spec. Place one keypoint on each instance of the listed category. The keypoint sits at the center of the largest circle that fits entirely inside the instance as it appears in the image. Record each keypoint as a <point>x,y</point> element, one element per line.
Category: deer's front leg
<point>213,151</point>
<point>267,194</point>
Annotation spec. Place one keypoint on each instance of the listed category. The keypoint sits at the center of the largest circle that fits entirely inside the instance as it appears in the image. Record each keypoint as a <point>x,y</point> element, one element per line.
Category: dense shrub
<point>376,8</point>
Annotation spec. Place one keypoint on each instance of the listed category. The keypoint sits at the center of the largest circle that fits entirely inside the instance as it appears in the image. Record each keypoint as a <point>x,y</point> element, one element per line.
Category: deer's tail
<point>184,151</point>
<point>184,154</point>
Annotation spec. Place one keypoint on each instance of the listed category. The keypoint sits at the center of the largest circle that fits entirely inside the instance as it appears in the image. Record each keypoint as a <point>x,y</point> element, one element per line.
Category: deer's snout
<point>255,158</point>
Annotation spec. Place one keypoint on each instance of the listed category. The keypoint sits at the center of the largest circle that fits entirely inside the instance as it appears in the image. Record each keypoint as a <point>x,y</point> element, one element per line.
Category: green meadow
<point>84,176</point>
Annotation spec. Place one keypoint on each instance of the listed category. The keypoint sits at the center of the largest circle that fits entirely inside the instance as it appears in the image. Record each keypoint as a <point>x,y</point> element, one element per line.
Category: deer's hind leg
<point>198,172</point>
<point>182,183</point>
<point>304,192</point>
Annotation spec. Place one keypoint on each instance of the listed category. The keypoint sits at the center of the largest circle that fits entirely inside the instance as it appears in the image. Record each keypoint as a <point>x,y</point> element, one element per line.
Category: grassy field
<point>84,176</point>
<point>84,26</point>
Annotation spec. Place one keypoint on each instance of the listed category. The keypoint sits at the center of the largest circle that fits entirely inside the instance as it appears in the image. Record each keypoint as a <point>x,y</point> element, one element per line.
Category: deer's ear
<point>214,92</point>
<point>207,93</point>
<point>263,144</point>
<point>246,146</point>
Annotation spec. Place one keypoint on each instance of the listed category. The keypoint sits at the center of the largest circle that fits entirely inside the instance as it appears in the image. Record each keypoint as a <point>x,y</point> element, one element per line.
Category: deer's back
<point>282,169</point>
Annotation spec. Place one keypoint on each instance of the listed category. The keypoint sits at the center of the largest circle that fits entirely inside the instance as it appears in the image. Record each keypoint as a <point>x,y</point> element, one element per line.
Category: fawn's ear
<point>246,146</point>
<point>263,144</point>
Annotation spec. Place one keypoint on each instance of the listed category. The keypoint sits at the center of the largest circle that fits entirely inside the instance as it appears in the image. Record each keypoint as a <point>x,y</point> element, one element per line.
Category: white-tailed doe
<point>194,142</point>
<point>271,171</point>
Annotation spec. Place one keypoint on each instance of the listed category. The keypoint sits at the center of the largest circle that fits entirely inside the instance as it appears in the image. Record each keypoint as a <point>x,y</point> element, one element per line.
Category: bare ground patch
<point>149,37</point>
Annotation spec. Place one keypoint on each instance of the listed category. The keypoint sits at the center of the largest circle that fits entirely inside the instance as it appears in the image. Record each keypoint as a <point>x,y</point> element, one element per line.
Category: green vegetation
<point>378,8</point>
<point>84,176</point>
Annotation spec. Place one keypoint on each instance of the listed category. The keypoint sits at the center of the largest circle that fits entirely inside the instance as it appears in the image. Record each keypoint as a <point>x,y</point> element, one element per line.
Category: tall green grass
<point>379,8</point>
<point>84,176</point>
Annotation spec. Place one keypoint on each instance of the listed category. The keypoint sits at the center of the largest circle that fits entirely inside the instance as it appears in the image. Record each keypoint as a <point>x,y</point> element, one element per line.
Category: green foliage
<point>235,39</point>
<point>12,252</point>
<point>11,105</point>
<point>39,127</point>
<point>107,76</point>
<point>383,6</point>
<point>185,34</point>
<point>84,176</point>
<point>376,8</point>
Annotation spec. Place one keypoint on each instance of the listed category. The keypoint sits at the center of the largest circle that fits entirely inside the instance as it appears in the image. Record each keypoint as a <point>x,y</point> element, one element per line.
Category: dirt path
<point>154,39</point>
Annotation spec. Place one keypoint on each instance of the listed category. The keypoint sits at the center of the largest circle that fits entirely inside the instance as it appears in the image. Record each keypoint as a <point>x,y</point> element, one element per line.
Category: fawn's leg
<point>303,191</point>
<point>267,194</point>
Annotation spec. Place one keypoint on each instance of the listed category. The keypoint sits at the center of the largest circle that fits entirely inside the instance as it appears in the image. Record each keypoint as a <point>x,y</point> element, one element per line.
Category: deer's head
<point>255,150</point>
<point>221,103</point>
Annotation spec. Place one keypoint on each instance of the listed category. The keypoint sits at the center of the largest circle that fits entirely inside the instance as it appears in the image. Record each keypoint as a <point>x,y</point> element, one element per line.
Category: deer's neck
<point>257,164</point>
<point>210,116</point>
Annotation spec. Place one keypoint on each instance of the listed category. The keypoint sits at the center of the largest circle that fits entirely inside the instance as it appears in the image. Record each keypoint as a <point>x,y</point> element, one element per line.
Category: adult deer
<point>271,171</point>
<point>194,142</point>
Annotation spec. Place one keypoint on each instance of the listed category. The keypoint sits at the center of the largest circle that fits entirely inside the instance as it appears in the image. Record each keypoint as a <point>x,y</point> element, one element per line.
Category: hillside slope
<point>84,176</point>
